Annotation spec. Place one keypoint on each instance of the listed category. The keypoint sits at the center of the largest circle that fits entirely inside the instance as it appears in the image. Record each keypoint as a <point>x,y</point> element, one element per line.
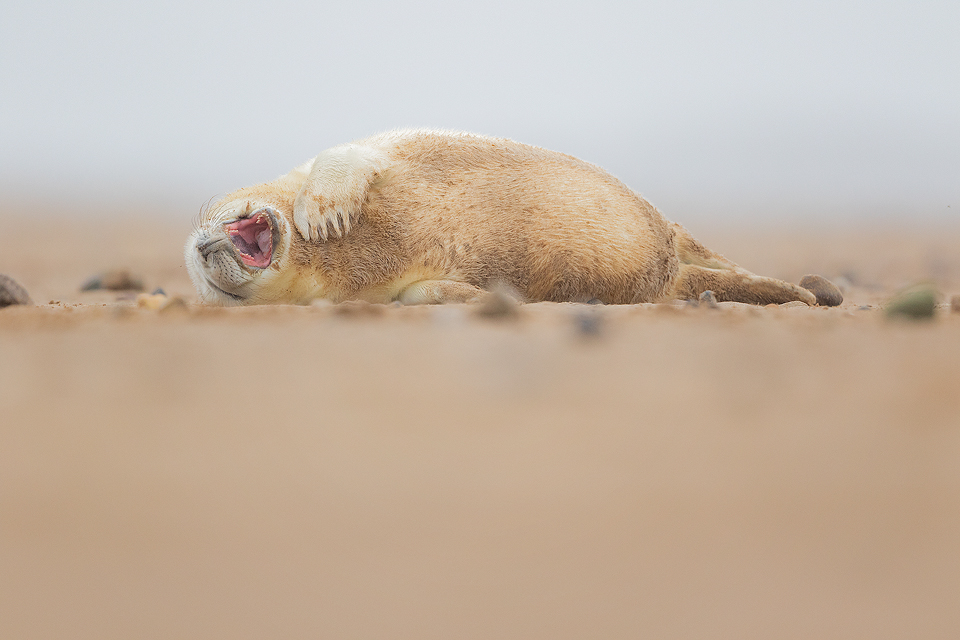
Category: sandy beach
<point>577,471</point>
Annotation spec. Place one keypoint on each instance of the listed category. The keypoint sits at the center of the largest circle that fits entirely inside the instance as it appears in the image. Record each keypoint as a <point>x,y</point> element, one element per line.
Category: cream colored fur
<point>429,217</point>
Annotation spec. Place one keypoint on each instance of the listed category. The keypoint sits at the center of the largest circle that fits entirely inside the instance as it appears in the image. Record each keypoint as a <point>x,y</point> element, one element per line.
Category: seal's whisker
<point>204,213</point>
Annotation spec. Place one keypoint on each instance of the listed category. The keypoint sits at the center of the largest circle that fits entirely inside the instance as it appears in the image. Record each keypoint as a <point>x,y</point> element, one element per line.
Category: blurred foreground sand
<point>391,472</point>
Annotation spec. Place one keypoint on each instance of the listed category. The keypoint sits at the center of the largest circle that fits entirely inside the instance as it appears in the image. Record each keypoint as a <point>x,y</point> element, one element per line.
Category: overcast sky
<point>707,108</point>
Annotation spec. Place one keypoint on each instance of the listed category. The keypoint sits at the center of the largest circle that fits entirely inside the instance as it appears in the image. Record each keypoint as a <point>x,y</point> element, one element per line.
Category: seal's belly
<point>548,246</point>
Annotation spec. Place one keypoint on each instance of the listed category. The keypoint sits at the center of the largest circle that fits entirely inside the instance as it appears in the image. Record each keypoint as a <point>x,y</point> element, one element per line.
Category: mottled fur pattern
<point>427,216</point>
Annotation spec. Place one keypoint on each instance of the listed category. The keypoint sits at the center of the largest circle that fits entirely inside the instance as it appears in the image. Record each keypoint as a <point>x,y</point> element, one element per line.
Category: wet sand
<point>380,472</point>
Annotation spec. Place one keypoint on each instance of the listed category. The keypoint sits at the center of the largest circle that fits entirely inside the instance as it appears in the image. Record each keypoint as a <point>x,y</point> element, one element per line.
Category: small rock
<point>116,280</point>
<point>916,303</point>
<point>708,299</point>
<point>827,293</point>
<point>955,303</point>
<point>159,291</point>
<point>588,323</point>
<point>152,301</point>
<point>500,302</point>
<point>11,292</point>
<point>160,302</point>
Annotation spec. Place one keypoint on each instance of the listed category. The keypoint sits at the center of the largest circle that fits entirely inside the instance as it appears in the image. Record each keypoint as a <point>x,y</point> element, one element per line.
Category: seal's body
<point>430,217</point>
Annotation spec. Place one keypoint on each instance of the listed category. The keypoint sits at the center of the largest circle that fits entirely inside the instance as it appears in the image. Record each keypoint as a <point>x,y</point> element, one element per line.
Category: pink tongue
<point>264,240</point>
<point>247,231</point>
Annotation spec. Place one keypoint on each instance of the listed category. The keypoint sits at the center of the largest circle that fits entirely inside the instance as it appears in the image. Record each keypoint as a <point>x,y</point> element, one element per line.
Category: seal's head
<point>237,248</point>
<point>245,249</point>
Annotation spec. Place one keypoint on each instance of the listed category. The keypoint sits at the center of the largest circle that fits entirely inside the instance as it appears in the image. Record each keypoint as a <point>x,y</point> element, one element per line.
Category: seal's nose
<point>207,245</point>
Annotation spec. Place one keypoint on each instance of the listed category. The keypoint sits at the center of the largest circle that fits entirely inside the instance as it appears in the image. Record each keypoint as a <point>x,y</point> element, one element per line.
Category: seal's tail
<point>703,270</point>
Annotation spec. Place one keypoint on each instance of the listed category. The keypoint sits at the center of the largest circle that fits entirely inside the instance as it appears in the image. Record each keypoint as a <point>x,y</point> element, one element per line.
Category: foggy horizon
<point>843,109</point>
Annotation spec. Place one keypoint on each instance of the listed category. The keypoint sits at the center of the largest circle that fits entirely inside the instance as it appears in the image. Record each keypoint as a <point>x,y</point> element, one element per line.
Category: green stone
<point>916,303</point>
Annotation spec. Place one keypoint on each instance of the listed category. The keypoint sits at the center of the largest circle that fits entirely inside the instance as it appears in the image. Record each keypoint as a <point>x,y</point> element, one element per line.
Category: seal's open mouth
<point>253,238</point>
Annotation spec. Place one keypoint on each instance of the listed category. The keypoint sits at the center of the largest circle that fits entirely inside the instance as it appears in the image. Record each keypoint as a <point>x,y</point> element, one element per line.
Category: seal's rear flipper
<point>703,270</point>
<point>737,285</point>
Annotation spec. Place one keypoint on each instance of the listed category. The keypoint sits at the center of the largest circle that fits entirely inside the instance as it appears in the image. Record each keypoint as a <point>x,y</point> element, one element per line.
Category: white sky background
<point>775,108</point>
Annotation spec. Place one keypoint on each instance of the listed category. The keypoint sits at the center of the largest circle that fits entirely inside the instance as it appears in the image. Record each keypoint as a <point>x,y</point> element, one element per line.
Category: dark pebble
<point>588,324</point>
<point>500,302</point>
<point>827,293</point>
<point>11,292</point>
<point>708,299</point>
<point>117,280</point>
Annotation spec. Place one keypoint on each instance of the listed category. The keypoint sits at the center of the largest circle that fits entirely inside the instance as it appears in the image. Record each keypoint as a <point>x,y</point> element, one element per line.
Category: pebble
<point>500,302</point>
<point>916,303</point>
<point>955,303</point>
<point>160,302</point>
<point>11,292</point>
<point>708,300</point>
<point>151,301</point>
<point>588,323</point>
<point>827,293</point>
<point>116,280</point>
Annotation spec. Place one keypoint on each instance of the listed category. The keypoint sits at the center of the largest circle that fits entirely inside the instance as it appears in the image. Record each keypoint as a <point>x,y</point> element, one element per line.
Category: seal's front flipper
<point>440,292</point>
<point>330,200</point>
